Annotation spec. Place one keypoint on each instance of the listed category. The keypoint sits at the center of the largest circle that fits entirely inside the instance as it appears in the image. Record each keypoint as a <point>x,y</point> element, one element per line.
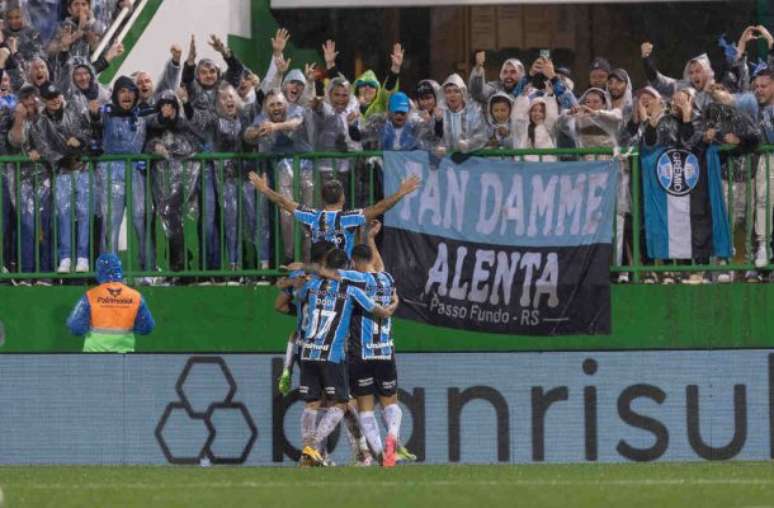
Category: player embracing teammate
<point>344,326</point>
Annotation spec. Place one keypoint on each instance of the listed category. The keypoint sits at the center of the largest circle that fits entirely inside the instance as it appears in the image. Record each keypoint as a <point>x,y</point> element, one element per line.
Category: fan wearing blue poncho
<point>110,314</point>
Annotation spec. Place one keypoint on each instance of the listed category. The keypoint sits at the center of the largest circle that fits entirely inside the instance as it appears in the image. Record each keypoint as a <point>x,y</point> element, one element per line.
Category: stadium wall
<point>242,319</point>
<point>471,408</point>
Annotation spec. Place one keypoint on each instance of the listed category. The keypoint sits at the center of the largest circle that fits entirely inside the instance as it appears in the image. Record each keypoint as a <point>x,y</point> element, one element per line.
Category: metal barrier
<point>201,217</point>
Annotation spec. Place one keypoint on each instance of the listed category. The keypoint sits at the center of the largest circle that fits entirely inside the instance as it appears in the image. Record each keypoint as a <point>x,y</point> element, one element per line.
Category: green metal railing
<point>254,217</point>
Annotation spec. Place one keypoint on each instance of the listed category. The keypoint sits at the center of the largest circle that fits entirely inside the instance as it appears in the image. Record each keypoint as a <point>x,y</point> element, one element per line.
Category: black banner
<point>500,289</point>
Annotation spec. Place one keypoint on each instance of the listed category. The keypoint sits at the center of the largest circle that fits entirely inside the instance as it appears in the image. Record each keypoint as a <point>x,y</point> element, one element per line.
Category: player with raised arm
<point>332,223</point>
<point>328,310</point>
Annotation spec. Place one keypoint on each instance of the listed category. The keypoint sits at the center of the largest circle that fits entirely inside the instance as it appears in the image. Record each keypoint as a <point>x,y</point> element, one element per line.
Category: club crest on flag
<point>678,171</point>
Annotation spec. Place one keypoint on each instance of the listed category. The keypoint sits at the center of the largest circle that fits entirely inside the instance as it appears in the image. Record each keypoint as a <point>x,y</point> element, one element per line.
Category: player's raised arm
<point>407,186</point>
<point>260,182</point>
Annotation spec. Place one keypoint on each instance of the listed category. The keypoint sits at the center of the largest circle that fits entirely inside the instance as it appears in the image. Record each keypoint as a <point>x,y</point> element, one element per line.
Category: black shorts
<point>373,377</point>
<point>323,378</point>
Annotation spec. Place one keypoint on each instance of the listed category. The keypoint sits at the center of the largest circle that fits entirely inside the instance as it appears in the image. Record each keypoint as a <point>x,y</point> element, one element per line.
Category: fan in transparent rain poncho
<point>226,126</point>
<point>61,135</point>
<point>697,73</point>
<point>498,115</point>
<point>174,179</point>
<point>331,128</point>
<point>276,132</point>
<point>32,198</point>
<point>722,122</point>
<point>459,122</point>
<point>534,122</point>
<point>17,26</point>
<point>595,123</point>
<point>124,132</point>
<point>201,82</point>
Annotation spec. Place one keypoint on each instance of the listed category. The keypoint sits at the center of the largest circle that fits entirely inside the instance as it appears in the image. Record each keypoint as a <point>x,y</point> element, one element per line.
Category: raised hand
<point>219,46</point>
<point>762,31</point>
<point>310,71</point>
<point>548,69</point>
<point>748,35</point>
<point>115,51</point>
<point>352,117</point>
<point>396,57</point>
<point>254,80</point>
<point>409,185</point>
<point>259,182</point>
<point>177,53</point>
<point>480,59</point>
<point>330,54</point>
<point>279,41</point>
<point>192,51</point>
<point>282,64</point>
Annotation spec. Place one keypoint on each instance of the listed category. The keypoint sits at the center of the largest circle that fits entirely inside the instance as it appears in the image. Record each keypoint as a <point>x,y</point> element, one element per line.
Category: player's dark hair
<point>336,260</point>
<point>320,250</point>
<point>362,253</point>
<point>332,192</point>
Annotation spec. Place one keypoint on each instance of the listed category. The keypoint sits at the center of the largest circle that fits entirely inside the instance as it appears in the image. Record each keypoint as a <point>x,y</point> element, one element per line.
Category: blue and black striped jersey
<point>371,337</point>
<point>328,306</point>
<point>337,227</point>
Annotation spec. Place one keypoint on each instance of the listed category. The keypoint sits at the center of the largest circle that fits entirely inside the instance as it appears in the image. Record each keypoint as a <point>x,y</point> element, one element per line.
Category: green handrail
<point>254,237</point>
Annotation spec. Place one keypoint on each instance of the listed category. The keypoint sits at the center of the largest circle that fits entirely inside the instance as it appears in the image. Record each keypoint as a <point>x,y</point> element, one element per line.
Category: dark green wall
<point>242,319</point>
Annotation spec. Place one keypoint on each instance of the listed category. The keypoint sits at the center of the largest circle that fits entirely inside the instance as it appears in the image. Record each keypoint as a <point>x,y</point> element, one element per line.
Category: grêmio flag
<point>500,246</point>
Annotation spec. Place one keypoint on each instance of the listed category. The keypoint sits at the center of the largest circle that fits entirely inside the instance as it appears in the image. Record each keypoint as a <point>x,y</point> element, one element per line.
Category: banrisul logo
<point>678,171</point>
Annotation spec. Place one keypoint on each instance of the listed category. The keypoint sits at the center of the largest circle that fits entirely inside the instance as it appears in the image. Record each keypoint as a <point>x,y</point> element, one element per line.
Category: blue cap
<point>399,103</point>
<point>109,269</point>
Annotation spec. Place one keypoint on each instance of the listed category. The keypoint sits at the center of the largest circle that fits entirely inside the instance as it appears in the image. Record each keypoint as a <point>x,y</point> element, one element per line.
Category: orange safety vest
<point>114,307</point>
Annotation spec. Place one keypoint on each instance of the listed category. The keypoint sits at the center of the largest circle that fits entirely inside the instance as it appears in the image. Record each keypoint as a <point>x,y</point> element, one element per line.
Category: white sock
<point>289,355</point>
<point>322,447</point>
<point>371,430</point>
<point>355,433</point>
<point>327,424</point>
<point>308,426</point>
<point>393,416</point>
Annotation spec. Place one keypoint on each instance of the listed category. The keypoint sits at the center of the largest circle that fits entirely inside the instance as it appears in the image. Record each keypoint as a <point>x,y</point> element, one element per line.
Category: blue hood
<point>109,269</point>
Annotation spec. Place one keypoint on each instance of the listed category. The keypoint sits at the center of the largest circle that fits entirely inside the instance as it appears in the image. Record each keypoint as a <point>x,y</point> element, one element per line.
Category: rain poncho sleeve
<point>169,78</point>
<point>664,84</point>
<point>480,90</point>
<point>272,79</point>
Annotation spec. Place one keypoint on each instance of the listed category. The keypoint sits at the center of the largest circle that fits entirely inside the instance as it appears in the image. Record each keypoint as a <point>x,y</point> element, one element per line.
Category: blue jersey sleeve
<point>361,298</point>
<point>79,321</point>
<point>306,216</point>
<point>144,323</point>
<point>352,219</point>
<point>353,276</point>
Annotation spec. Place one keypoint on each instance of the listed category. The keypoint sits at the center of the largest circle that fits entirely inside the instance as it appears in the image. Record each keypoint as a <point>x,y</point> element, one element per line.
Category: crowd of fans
<point>55,112</point>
